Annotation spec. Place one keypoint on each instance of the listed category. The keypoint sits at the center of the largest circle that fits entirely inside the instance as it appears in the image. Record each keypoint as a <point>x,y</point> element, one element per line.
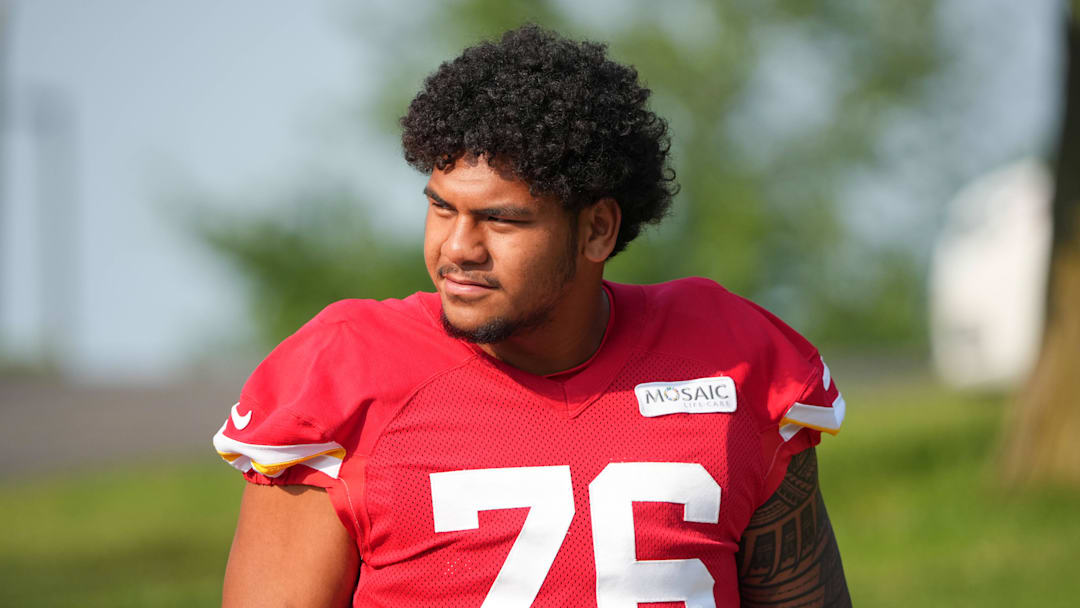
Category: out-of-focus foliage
<point>319,248</point>
<point>773,105</point>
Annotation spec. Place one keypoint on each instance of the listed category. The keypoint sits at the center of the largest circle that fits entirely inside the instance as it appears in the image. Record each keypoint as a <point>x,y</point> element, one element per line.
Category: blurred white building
<point>988,278</point>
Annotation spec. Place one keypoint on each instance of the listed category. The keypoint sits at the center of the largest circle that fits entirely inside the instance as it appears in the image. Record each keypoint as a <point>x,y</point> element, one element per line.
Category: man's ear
<point>599,225</point>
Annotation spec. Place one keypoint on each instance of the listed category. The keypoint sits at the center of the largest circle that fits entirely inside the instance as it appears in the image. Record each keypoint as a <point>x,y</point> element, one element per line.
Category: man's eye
<point>501,220</point>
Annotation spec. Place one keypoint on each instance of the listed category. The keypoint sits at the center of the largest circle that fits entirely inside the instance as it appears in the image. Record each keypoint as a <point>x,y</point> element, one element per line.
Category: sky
<point>227,96</point>
<point>235,99</point>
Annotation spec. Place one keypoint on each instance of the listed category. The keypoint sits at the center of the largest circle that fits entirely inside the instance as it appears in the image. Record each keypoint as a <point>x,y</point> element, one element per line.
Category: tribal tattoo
<point>788,555</point>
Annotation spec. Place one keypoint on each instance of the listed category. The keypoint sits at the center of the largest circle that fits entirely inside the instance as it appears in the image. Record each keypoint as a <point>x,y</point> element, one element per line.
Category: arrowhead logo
<point>240,422</point>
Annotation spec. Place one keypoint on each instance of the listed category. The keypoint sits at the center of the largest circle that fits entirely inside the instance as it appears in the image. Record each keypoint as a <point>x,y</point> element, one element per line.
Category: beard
<point>499,329</point>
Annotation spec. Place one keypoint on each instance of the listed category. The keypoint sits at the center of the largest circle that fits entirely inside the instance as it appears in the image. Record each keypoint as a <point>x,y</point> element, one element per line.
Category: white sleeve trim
<point>827,419</point>
<point>273,460</point>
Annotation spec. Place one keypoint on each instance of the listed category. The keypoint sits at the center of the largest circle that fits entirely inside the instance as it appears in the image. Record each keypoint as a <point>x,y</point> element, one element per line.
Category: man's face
<point>500,258</point>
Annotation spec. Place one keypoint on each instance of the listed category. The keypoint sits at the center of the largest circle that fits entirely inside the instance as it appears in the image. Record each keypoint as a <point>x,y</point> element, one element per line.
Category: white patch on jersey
<point>698,396</point>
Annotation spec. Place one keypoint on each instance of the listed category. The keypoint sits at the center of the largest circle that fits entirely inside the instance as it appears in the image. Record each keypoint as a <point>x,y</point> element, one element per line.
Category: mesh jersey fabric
<point>569,486</point>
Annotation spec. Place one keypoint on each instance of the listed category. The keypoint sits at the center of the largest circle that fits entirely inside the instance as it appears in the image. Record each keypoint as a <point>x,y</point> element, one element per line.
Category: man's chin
<point>496,329</point>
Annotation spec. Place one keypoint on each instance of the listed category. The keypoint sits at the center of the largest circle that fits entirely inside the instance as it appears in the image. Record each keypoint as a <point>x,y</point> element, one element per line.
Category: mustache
<point>486,281</point>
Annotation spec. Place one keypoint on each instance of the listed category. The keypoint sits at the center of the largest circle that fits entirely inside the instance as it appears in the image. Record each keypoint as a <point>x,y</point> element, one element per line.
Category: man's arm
<point>788,554</point>
<point>290,549</point>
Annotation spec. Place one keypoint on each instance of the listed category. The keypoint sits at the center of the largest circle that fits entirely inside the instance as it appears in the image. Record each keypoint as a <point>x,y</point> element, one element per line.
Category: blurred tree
<point>317,249</point>
<point>773,104</point>
<point>1041,442</point>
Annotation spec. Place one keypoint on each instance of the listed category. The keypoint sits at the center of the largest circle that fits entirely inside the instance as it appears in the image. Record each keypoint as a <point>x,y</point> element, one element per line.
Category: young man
<point>532,435</point>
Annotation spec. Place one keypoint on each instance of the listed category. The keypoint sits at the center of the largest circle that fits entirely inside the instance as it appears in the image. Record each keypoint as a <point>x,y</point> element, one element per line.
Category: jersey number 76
<point>621,580</point>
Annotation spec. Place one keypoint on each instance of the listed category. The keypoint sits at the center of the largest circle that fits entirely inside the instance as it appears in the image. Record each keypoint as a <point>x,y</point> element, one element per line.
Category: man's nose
<point>465,243</point>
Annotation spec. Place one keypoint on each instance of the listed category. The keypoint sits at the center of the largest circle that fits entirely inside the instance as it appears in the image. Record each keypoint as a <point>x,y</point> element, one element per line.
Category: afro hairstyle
<point>558,113</point>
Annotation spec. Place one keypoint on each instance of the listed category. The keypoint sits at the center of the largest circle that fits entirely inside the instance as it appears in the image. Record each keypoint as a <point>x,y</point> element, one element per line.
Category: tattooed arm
<point>788,555</point>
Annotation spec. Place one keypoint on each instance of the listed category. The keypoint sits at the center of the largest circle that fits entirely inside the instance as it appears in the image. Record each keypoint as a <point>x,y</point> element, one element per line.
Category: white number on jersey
<point>621,579</point>
<point>457,497</point>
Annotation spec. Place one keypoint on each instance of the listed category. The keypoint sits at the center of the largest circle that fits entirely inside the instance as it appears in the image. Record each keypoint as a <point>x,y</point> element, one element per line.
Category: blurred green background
<point>817,143</point>
<point>763,165</point>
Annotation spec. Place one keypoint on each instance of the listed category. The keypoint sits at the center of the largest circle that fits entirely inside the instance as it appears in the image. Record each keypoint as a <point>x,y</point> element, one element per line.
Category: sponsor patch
<point>700,396</point>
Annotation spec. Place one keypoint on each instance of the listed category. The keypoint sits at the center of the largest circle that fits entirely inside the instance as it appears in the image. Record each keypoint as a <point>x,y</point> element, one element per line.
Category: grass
<point>909,485</point>
<point>921,519</point>
<point>143,536</point>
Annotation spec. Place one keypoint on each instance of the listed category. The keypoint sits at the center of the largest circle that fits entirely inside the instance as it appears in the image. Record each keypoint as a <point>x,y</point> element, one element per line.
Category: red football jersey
<point>466,482</point>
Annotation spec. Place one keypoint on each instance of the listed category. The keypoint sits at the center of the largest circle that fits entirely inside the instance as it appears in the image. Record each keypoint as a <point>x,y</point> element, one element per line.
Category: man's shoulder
<point>379,345</point>
<point>686,292</point>
<point>699,302</point>
<point>353,354</point>
<point>698,314</point>
<point>411,312</point>
<point>386,325</point>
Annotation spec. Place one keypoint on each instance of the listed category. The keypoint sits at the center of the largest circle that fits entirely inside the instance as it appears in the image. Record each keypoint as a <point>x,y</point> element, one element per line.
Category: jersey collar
<point>571,391</point>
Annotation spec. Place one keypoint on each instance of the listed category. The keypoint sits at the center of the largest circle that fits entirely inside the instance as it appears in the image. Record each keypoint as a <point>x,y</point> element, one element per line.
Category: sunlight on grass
<point>919,515</point>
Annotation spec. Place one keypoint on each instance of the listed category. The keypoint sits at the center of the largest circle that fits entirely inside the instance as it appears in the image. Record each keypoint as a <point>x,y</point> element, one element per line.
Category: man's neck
<point>571,338</point>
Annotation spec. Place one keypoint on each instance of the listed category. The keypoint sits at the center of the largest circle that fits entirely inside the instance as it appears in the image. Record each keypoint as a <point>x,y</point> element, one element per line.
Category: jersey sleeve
<point>290,425</point>
<point>802,401</point>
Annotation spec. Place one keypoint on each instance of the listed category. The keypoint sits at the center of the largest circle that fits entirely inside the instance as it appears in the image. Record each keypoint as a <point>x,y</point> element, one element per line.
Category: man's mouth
<point>464,281</point>
<point>465,286</point>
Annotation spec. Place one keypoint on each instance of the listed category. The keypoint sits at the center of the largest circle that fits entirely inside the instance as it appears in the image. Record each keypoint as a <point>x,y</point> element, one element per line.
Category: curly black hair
<point>564,118</point>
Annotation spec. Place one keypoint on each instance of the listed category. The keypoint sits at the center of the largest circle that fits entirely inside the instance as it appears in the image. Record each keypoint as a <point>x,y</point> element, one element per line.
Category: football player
<point>531,434</point>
